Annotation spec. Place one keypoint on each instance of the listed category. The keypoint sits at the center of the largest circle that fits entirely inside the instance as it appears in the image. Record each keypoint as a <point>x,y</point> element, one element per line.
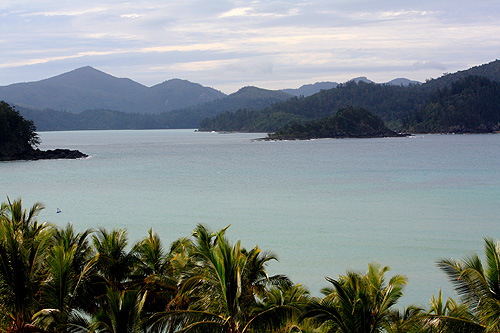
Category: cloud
<point>71,12</point>
<point>428,64</point>
<point>242,11</point>
<point>253,67</point>
<point>133,16</point>
<point>233,42</point>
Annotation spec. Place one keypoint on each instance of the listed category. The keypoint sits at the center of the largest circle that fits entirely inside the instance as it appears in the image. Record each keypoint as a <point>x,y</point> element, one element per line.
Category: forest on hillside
<point>391,103</point>
<point>347,123</point>
<point>415,108</point>
<point>58,279</point>
<point>470,105</point>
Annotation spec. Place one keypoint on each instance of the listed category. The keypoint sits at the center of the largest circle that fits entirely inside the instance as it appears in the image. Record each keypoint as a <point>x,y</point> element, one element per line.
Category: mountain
<point>389,102</point>
<point>250,98</point>
<point>361,79</point>
<point>471,105</point>
<point>311,89</point>
<point>247,98</point>
<point>402,82</point>
<point>490,71</point>
<point>88,88</point>
<point>462,102</point>
<point>80,89</point>
<point>177,94</point>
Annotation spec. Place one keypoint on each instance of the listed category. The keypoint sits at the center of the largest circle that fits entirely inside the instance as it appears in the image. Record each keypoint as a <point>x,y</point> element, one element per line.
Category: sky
<point>229,44</point>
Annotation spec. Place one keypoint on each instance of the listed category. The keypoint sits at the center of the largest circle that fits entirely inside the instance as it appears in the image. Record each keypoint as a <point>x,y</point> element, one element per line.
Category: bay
<point>323,206</point>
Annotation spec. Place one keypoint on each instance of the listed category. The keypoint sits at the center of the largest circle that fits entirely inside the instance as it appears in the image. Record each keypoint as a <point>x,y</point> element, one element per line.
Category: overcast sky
<point>227,44</point>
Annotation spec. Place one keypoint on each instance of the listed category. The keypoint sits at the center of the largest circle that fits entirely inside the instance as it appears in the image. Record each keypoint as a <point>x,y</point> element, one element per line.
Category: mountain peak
<point>403,82</point>
<point>361,79</point>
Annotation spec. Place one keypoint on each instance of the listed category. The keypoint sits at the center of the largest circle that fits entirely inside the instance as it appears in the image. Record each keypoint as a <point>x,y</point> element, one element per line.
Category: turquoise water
<point>322,206</point>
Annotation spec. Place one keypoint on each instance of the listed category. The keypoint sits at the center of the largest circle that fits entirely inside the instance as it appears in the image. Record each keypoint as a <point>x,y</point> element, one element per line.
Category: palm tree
<point>221,284</point>
<point>408,320</point>
<point>449,316</point>
<point>153,272</point>
<point>358,302</point>
<point>284,304</point>
<point>114,263</point>
<point>23,247</point>
<point>69,266</point>
<point>122,312</point>
<point>478,286</point>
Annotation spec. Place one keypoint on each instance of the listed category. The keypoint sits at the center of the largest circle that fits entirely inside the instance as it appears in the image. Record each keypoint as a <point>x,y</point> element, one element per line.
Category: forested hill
<point>471,105</point>
<point>398,106</point>
<point>389,102</point>
<point>247,98</point>
<point>490,71</point>
<point>347,123</point>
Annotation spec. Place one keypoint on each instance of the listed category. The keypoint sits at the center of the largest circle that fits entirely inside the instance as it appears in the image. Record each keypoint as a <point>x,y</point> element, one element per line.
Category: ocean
<point>322,206</point>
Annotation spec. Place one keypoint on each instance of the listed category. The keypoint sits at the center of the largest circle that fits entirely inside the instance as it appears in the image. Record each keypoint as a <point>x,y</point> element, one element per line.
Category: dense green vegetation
<point>389,102</point>
<point>19,141</point>
<point>17,135</point>
<point>56,279</point>
<point>491,71</point>
<point>347,123</point>
<point>421,108</point>
<point>471,105</point>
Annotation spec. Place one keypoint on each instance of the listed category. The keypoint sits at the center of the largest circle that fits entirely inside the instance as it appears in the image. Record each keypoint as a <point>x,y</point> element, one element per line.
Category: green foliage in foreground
<point>58,280</point>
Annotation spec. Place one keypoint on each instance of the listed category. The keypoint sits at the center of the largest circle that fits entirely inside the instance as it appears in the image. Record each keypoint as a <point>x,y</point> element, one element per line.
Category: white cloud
<point>429,64</point>
<point>233,42</point>
<point>133,16</point>
<point>72,12</point>
<point>242,11</point>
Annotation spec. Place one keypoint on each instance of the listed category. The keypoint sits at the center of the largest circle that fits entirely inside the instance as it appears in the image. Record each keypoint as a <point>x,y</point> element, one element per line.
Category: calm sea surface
<point>322,206</point>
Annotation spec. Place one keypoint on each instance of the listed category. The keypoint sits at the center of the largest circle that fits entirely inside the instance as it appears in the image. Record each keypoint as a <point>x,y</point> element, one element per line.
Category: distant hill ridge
<point>311,89</point>
<point>123,103</point>
<point>88,88</point>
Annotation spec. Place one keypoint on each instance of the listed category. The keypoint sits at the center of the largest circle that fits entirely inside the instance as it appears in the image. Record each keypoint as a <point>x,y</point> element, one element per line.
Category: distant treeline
<point>249,97</point>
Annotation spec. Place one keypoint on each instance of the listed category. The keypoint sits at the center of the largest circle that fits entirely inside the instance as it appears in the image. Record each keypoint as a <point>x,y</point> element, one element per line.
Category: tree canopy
<point>17,135</point>
<point>55,279</point>
<point>349,122</point>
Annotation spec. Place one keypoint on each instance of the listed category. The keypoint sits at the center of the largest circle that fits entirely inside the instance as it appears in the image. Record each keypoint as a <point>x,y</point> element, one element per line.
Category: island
<point>19,140</point>
<point>349,122</point>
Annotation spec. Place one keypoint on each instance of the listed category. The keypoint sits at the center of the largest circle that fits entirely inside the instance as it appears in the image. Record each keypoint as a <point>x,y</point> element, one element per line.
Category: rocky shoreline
<point>37,154</point>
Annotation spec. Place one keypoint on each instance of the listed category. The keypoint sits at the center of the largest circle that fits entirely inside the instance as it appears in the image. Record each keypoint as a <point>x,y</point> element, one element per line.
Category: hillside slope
<point>87,88</point>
